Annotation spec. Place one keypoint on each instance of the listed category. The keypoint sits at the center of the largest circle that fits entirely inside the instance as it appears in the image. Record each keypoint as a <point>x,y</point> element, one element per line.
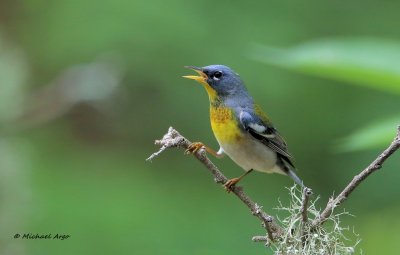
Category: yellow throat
<point>223,121</point>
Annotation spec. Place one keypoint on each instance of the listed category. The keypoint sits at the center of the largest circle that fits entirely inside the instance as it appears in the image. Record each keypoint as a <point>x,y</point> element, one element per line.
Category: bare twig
<point>307,192</point>
<point>375,165</point>
<point>173,139</point>
<point>261,239</point>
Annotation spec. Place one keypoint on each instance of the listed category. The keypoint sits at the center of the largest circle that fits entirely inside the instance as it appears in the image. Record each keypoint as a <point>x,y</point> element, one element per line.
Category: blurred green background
<point>87,86</point>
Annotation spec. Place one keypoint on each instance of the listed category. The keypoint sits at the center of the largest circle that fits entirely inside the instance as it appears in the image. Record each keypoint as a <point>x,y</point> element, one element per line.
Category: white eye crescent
<point>217,75</point>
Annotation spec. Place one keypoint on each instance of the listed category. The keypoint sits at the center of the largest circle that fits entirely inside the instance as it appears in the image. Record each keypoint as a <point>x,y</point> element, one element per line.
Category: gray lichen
<point>301,238</point>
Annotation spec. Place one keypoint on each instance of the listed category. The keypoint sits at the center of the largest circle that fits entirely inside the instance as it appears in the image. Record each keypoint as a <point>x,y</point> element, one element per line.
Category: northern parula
<point>242,129</point>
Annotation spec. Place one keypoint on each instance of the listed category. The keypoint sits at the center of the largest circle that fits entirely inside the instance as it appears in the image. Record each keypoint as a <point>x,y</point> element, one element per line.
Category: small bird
<point>242,129</point>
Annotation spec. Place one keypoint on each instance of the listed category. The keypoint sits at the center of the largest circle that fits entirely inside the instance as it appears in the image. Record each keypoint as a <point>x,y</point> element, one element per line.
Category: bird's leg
<point>196,146</point>
<point>232,182</point>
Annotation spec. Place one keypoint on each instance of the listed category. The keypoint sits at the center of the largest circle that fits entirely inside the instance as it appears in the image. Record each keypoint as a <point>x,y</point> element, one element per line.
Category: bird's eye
<point>217,75</point>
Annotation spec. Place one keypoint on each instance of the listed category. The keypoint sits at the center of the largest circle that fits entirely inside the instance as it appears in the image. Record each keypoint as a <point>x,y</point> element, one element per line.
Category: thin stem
<point>307,192</point>
<point>358,179</point>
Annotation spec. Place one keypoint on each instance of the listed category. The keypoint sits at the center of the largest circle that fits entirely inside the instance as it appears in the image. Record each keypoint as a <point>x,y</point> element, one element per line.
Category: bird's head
<point>220,81</point>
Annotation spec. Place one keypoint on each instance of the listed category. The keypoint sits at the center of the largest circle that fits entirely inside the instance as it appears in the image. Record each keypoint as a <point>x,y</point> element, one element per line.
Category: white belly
<point>252,154</point>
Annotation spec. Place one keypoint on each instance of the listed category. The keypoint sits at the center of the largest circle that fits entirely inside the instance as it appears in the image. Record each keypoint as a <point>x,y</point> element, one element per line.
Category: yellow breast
<point>224,125</point>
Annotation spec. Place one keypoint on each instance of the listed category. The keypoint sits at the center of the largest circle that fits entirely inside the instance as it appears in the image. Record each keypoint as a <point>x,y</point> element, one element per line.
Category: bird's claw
<point>230,184</point>
<point>194,147</point>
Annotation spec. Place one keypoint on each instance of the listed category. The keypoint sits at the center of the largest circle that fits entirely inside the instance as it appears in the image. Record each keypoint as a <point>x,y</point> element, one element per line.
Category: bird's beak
<point>202,76</point>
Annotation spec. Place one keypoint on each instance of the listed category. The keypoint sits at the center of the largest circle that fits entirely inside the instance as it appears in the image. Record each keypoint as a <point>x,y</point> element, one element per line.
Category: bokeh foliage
<point>86,86</point>
<point>362,61</point>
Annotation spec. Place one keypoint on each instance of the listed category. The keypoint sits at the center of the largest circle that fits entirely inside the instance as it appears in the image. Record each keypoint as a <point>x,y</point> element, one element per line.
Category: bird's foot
<point>230,184</point>
<point>194,147</point>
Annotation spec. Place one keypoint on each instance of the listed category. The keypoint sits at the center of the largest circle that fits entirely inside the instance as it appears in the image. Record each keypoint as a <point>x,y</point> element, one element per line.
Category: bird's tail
<point>295,178</point>
<point>288,168</point>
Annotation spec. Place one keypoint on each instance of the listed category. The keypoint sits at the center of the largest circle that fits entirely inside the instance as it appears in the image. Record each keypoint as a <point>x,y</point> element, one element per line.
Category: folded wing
<point>266,134</point>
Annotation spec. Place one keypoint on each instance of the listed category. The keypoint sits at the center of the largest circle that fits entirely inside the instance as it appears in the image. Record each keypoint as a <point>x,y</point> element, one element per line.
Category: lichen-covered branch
<point>375,165</point>
<point>281,233</point>
<point>172,139</point>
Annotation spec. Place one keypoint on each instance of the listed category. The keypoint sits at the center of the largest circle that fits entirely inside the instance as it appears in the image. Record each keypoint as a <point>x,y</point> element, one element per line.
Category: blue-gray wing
<point>266,134</point>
